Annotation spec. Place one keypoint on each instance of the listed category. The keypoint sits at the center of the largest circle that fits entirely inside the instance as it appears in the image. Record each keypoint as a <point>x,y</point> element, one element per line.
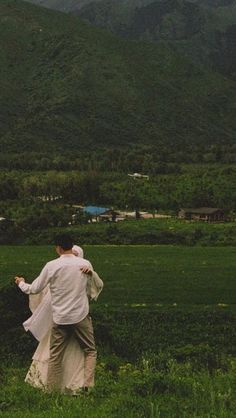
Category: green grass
<point>142,274</point>
<point>171,390</point>
<point>182,363</point>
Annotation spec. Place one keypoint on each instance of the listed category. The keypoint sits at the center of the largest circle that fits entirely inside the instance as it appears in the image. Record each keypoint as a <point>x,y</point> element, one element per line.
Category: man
<point>67,278</point>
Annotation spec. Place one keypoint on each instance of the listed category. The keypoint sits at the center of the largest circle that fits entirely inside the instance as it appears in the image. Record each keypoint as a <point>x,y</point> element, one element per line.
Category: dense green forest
<point>205,31</point>
<point>40,201</point>
<point>214,188</point>
<point>67,86</point>
<point>62,5</point>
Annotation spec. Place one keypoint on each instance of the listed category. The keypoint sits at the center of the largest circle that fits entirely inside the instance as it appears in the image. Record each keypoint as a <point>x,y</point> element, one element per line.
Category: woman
<point>40,323</point>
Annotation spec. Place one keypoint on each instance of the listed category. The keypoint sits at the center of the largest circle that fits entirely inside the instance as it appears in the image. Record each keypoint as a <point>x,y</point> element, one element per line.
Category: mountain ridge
<point>62,5</point>
<point>68,86</point>
<point>203,30</point>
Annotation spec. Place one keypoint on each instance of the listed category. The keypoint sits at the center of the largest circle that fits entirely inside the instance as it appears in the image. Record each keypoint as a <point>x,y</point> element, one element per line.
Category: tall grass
<point>129,391</point>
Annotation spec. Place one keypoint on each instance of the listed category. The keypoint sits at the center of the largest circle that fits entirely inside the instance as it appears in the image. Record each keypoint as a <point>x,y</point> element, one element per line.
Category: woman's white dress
<point>39,324</point>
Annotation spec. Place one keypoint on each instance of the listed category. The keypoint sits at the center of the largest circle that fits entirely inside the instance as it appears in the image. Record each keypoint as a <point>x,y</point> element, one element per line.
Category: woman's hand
<point>86,270</point>
<point>19,279</point>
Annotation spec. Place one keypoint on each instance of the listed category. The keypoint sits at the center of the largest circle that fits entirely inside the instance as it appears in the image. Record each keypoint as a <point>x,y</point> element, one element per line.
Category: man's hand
<point>86,270</point>
<point>18,280</point>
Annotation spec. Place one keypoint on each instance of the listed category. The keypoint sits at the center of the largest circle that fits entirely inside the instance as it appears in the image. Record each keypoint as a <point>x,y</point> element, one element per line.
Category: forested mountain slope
<point>68,86</point>
<point>205,31</point>
<point>62,5</point>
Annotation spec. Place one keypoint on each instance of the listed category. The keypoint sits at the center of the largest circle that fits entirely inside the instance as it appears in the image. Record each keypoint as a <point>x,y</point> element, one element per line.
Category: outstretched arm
<point>37,285</point>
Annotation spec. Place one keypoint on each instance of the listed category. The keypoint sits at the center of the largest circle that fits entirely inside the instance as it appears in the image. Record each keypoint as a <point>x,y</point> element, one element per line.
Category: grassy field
<point>165,328</point>
<point>142,274</point>
<point>170,390</point>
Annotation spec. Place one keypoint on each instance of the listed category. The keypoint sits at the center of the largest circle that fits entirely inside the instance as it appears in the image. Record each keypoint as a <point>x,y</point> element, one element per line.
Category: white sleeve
<point>38,284</point>
<point>94,286</point>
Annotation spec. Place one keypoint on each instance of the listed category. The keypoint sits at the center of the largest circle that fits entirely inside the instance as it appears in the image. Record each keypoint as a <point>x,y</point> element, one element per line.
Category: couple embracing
<point>65,358</point>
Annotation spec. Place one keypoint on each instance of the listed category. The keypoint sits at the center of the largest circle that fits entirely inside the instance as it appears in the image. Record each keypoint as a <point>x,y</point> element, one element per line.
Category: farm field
<point>142,274</point>
<point>165,329</point>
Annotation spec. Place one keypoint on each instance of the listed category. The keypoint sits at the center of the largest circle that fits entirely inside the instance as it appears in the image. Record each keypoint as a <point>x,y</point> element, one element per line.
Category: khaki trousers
<point>60,334</point>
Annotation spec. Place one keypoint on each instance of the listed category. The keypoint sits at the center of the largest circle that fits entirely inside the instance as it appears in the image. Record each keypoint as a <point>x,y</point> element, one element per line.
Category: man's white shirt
<point>68,288</point>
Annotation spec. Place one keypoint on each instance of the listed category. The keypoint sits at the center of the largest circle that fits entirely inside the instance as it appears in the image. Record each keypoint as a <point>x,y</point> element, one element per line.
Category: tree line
<point>164,159</point>
<point>44,199</point>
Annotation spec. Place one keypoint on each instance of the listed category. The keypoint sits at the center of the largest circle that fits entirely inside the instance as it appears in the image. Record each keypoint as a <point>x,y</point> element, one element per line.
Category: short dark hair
<point>64,241</point>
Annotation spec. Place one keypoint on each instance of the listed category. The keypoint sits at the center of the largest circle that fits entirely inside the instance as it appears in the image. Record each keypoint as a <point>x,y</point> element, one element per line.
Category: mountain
<point>66,85</point>
<point>62,5</point>
<point>203,30</point>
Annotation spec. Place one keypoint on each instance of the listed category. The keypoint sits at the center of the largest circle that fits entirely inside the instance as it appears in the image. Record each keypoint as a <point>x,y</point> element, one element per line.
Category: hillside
<point>68,86</point>
<point>62,5</point>
<point>204,31</point>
